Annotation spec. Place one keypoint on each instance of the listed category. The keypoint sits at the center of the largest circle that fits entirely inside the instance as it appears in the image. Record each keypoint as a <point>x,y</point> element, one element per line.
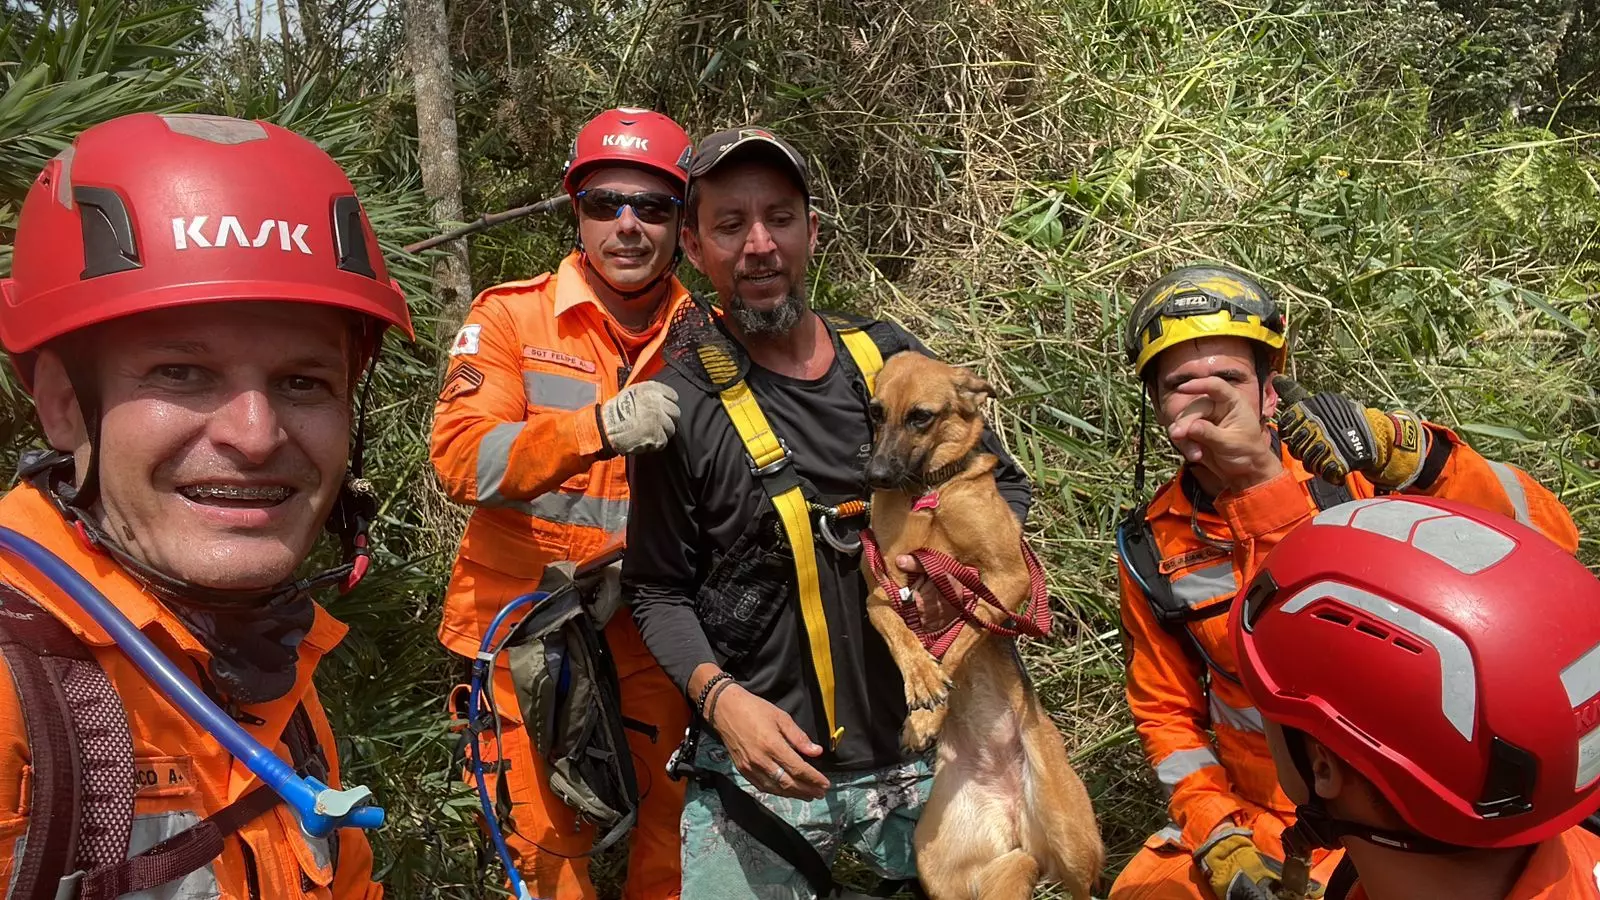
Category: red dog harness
<point>962,587</point>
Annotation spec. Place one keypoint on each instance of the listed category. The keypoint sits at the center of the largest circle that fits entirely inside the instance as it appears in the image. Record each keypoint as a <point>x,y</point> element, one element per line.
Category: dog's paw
<point>926,686</point>
<point>922,728</point>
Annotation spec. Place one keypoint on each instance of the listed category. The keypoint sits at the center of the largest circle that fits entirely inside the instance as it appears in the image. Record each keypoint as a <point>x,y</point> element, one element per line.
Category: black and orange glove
<point>1334,436</point>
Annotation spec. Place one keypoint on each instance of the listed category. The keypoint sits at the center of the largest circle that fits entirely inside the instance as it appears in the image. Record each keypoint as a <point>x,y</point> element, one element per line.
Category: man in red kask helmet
<point>1429,673</point>
<point>192,304</point>
<point>545,399</point>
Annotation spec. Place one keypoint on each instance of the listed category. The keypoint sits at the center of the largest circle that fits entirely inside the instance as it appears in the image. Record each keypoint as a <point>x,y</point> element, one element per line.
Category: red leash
<point>950,577</point>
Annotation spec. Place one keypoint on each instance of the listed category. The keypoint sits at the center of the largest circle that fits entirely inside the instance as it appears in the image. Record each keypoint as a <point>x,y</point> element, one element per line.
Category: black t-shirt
<point>694,500</point>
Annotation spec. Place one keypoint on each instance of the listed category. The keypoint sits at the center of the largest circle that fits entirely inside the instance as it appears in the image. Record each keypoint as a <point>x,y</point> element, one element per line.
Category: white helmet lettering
<point>230,226</point>
<point>626,141</point>
<point>188,233</point>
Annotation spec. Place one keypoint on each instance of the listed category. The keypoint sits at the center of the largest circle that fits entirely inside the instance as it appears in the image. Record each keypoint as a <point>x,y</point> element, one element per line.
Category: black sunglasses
<point>649,206</point>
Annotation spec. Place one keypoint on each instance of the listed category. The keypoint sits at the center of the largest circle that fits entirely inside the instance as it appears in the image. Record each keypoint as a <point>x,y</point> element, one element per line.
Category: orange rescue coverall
<point>183,774</point>
<point>516,434</point>
<point>1200,733</point>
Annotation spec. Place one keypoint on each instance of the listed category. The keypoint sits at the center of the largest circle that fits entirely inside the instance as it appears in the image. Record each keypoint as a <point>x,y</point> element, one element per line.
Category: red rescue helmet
<point>150,211</point>
<point>632,137</point>
<point>1450,654</point>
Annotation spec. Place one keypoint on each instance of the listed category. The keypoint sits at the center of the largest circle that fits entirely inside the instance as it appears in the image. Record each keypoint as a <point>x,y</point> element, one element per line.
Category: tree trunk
<point>428,45</point>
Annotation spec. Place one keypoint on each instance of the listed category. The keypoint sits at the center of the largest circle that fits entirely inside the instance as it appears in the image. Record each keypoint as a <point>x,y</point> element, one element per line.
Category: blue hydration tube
<point>319,808</point>
<point>482,673</point>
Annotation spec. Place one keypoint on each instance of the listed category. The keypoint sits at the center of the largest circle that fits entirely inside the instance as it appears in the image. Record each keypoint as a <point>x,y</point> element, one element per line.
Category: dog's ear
<point>971,388</point>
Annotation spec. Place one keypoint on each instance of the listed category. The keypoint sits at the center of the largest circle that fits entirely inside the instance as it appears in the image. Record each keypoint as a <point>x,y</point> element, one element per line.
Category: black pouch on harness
<point>746,590</point>
<point>570,700</point>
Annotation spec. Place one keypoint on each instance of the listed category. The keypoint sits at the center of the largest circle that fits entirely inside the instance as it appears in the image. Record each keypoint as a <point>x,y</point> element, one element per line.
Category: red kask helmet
<point>629,136</point>
<point>1448,653</point>
<point>152,211</point>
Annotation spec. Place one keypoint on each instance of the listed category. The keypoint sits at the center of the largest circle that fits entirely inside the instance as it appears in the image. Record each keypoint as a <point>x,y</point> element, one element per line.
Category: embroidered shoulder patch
<point>466,342</point>
<point>464,379</point>
<point>556,357</point>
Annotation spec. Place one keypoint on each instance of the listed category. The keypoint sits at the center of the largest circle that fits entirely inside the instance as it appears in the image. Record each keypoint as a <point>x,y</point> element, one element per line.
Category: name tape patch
<point>556,357</point>
<point>162,776</point>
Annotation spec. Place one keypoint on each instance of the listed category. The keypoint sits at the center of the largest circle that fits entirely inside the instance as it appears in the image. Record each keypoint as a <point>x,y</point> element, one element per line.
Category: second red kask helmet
<point>631,137</point>
<point>1448,653</point>
<point>151,211</point>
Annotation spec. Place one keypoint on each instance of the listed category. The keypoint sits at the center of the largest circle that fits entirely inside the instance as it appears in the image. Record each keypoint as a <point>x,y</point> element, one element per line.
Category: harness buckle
<point>67,887</point>
<point>774,467</point>
<point>681,763</point>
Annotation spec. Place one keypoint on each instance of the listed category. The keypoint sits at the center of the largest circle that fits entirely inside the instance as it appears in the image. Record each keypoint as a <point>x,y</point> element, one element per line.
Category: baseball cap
<point>740,142</point>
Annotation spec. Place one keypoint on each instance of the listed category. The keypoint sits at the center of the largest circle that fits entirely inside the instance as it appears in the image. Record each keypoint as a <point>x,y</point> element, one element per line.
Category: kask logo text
<point>228,231</point>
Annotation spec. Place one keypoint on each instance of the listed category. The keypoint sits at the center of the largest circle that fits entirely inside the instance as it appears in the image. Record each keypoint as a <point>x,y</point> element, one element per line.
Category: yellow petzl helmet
<point>1200,301</point>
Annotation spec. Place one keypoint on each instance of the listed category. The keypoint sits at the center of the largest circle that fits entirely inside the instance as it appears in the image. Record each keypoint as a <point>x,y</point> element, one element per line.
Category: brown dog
<point>1007,810</point>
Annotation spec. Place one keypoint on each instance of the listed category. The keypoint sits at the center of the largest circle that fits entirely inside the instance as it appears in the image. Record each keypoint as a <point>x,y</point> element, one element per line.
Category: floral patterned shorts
<point>874,812</point>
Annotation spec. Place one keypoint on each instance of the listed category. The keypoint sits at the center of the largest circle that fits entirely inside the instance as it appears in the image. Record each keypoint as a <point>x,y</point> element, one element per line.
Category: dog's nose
<point>881,473</point>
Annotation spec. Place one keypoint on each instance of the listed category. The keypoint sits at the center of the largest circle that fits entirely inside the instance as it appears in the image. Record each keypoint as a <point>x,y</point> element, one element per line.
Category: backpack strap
<point>196,846</point>
<point>82,753</point>
<point>83,785</point>
<point>180,854</point>
<point>868,342</point>
<point>25,633</point>
<point>864,353</point>
<point>1136,545</point>
<point>773,832</point>
<point>308,758</point>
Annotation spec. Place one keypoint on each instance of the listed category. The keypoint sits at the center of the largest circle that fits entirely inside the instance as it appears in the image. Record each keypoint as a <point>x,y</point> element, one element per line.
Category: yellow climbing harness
<point>772,465</point>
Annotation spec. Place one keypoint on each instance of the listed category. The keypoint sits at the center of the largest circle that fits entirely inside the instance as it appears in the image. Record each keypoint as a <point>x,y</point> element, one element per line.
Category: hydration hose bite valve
<point>319,808</point>
<point>482,717</point>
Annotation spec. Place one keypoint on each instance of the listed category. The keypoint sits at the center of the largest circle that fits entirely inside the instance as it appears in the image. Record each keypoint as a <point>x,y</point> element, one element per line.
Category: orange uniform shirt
<point>182,773</point>
<point>1204,738</point>
<point>516,434</point>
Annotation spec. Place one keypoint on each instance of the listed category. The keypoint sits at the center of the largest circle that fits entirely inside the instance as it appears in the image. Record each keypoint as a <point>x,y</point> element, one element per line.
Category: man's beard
<point>773,322</point>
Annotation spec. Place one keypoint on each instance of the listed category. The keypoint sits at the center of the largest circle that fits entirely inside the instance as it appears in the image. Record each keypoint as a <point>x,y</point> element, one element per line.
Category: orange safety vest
<point>1199,729</point>
<point>181,774</point>
<point>516,434</point>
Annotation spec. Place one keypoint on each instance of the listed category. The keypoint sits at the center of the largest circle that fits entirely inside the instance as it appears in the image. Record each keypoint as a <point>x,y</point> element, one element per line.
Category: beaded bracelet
<point>705,692</point>
<point>716,697</point>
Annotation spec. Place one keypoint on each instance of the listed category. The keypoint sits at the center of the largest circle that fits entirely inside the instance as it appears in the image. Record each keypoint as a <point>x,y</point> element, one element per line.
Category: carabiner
<point>848,548</point>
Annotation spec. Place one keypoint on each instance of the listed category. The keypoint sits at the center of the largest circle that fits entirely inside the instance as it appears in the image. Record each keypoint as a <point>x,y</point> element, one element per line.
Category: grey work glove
<point>640,419</point>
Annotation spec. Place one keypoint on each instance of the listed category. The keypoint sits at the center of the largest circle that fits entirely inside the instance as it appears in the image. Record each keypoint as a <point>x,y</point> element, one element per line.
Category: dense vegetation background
<point>1419,179</point>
